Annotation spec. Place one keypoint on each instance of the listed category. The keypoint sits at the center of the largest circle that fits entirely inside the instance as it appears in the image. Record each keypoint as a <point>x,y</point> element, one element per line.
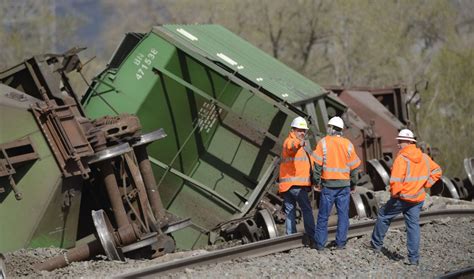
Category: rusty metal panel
<point>369,109</point>
<point>366,141</point>
<point>393,98</point>
<point>65,136</point>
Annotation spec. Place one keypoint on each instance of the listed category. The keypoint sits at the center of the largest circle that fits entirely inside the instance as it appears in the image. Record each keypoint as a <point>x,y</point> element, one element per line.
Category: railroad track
<point>279,244</point>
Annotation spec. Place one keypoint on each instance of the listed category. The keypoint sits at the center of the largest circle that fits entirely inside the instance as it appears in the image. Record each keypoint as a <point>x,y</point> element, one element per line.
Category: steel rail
<point>462,273</point>
<point>279,244</point>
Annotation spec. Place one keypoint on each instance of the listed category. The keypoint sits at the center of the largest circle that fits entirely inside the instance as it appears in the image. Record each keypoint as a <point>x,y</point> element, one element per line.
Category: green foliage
<point>445,117</point>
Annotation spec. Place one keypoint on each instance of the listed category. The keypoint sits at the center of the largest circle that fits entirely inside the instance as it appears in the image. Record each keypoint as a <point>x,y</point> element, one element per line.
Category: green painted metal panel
<point>218,44</point>
<point>39,218</point>
<point>59,222</point>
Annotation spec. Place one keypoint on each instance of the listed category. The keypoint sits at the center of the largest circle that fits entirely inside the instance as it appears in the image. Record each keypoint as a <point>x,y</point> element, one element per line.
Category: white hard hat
<point>336,121</point>
<point>406,134</point>
<point>299,123</point>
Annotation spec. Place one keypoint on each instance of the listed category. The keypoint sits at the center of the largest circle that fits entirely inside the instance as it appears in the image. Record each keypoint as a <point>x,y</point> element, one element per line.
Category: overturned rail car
<point>80,175</point>
<point>57,165</point>
<point>225,106</point>
<point>175,144</point>
<point>37,206</point>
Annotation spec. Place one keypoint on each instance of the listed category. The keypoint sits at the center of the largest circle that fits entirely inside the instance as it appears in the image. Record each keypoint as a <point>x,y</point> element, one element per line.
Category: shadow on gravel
<point>393,255</point>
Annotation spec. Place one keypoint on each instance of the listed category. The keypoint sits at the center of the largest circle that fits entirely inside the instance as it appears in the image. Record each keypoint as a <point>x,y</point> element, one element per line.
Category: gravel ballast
<point>446,245</point>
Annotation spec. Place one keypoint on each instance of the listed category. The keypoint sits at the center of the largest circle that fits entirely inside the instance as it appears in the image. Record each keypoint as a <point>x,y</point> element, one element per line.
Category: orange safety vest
<point>337,156</point>
<point>295,164</point>
<point>412,172</point>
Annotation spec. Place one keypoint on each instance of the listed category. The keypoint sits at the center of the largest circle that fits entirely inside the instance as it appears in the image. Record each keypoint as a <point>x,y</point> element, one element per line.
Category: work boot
<point>308,241</point>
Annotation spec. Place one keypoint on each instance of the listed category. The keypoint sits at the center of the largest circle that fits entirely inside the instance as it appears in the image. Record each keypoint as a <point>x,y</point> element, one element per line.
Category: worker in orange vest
<point>412,173</point>
<point>294,180</point>
<point>335,170</point>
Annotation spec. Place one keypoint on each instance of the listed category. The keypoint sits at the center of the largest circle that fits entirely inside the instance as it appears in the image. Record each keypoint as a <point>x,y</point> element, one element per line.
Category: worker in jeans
<point>412,173</point>
<point>294,179</point>
<point>335,174</point>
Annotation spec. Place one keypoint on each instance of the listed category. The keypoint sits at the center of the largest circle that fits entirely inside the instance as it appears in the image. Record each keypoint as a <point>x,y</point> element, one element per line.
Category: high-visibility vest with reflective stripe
<point>409,179</point>
<point>295,164</point>
<point>337,156</point>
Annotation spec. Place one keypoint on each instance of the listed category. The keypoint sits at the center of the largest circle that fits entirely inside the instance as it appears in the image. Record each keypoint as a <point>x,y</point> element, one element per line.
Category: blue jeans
<point>329,196</point>
<point>291,197</point>
<point>411,212</point>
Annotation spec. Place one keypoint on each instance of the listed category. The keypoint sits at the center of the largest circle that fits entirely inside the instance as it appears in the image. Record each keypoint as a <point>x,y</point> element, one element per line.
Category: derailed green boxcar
<point>33,208</point>
<point>225,107</point>
<point>62,175</point>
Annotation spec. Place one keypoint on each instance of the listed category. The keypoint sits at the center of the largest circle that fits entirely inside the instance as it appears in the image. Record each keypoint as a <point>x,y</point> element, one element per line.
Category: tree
<point>445,118</point>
